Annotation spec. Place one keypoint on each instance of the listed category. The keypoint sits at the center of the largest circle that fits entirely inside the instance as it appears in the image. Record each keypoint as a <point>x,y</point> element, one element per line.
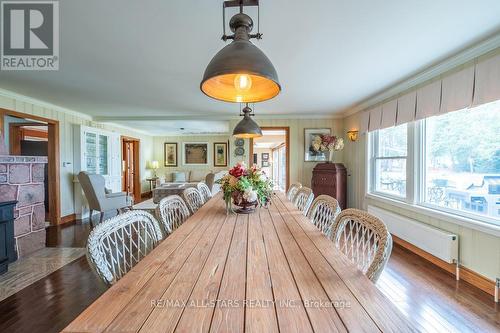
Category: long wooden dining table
<point>268,271</point>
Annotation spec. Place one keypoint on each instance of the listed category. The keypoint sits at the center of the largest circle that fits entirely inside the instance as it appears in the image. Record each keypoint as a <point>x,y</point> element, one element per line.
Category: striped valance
<point>471,86</point>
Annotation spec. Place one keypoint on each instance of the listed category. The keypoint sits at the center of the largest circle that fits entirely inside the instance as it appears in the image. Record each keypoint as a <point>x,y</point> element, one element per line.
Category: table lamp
<point>154,165</point>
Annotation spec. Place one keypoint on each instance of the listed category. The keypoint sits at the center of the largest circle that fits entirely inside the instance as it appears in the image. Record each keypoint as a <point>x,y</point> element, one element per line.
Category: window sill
<point>434,213</point>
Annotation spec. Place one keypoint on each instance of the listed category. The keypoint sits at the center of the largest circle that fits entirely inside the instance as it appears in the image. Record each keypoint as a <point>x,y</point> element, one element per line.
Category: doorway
<point>130,167</point>
<point>31,139</point>
<point>25,131</point>
<point>272,154</point>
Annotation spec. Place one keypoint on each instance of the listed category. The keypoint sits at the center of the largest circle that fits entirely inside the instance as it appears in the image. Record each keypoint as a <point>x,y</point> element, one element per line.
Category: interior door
<point>128,167</point>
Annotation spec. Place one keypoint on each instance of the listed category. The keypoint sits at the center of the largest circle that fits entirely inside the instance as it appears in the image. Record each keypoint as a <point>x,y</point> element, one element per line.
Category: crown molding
<point>23,98</point>
<point>438,68</point>
<point>214,117</point>
<point>124,127</point>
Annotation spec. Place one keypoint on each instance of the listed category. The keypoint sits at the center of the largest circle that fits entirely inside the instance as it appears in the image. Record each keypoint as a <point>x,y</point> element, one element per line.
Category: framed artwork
<point>195,153</point>
<point>220,154</point>
<point>265,156</point>
<point>311,137</point>
<point>265,164</point>
<point>255,158</point>
<point>170,152</point>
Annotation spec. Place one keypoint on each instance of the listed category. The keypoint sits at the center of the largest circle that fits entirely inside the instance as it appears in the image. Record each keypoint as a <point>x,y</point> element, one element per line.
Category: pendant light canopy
<point>240,72</point>
<point>247,128</point>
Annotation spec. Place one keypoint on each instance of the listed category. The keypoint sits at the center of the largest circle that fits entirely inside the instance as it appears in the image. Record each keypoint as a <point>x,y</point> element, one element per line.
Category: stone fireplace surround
<point>22,179</point>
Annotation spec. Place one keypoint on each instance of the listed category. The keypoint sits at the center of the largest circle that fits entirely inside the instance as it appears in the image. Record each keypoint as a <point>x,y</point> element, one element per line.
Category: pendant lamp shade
<point>247,128</point>
<point>240,72</point>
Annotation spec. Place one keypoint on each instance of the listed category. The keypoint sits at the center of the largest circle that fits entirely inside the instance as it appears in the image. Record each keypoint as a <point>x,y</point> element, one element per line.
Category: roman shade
<point>428,100</point>
<point>457,90</point>
<point>406,108</point>
<point>364,121</point>
<point>375,118</point>
<point>470,86</point>
<point>389,111</point>
<point>487,81</point>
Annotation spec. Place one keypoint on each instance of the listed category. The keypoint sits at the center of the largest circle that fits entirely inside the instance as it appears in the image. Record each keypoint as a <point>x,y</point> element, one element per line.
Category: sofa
<point>192,177</point>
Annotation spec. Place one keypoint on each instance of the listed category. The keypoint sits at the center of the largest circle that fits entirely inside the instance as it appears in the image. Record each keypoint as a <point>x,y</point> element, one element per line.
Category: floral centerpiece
<point>327,143</point>
<point>246,188</point>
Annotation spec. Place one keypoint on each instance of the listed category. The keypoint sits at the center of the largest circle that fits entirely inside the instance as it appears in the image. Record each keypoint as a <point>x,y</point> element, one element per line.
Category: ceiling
<point>121,60</point>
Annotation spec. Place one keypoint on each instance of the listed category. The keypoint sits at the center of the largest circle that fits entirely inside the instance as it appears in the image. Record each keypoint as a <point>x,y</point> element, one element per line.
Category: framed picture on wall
<point>170,152</point>
<point>265,156</point>
<point>195,153</point>
<point>265,164</point>
<point>220,154</point>
<point>312,138</point>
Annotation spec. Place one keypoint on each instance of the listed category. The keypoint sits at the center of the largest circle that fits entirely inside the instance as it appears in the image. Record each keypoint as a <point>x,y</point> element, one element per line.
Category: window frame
<point>416,179</point>
<point>372,153</point>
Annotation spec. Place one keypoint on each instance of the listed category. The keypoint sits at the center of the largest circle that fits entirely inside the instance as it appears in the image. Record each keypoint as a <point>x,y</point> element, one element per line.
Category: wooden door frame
<point>137,175</point>
<point>287,143</point>
<point>16,135</point>
<point>53,160</point>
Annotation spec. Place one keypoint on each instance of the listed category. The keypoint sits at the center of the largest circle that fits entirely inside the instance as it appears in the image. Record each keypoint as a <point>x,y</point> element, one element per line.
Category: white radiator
<point>439,243</point>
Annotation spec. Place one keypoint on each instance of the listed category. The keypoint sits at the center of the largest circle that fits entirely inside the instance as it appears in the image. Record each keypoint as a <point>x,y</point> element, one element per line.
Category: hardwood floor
<point>426,294</point>
<point>433,299</point>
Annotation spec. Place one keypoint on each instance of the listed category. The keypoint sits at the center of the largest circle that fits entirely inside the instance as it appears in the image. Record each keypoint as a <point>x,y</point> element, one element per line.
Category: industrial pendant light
<point>240,72</point>
<point>247,128</point>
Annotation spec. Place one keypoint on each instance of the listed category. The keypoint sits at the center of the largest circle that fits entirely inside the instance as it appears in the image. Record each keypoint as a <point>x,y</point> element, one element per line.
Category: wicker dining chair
<point>303,199</point>
<point>119,243</point>
<point>292,191</point>
<point>193,198</point>
<point>172,211</point>
<point>323,212</point>
<point>364,239</point>
<point>205,192</point>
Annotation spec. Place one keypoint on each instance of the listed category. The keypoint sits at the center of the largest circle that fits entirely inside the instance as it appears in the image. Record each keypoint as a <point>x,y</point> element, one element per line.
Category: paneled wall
<point>300,171</point>
<point>66,121</point>
<point>159,151</point>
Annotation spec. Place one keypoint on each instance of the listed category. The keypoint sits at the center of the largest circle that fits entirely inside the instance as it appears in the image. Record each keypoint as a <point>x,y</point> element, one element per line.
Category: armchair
<point>98,197</point>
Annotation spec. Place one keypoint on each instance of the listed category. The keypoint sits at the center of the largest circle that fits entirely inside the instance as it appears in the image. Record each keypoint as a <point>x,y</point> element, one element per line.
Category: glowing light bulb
<point>242,82</point>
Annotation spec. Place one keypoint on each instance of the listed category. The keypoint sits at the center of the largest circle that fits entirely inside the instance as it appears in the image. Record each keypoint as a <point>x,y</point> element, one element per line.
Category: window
<point>462,160</point>
<point>449,163</point>
<point>390,151</point>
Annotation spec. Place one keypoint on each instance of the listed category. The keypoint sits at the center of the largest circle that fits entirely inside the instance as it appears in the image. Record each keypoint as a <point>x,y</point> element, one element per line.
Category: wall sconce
<point>352,135</point>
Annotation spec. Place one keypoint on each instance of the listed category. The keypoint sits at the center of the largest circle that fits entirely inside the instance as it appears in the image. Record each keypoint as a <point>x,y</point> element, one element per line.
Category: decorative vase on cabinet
<point>330,179</point>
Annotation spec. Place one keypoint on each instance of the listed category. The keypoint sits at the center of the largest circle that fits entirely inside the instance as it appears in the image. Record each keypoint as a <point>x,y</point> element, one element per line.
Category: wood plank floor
<point>426,294</point>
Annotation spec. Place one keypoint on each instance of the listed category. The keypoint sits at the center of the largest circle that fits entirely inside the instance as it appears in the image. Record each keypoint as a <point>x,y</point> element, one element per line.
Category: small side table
<point>152,183</point>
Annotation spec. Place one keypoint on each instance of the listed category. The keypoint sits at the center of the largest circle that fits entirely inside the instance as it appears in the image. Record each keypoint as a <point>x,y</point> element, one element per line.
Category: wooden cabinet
<point>330,179</point>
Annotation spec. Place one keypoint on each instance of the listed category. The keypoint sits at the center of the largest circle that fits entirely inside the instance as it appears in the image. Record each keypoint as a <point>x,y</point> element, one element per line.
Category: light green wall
<point>158,148</point>
<point>479,251</point>
<point>67,120</point>
<point>299,170</point>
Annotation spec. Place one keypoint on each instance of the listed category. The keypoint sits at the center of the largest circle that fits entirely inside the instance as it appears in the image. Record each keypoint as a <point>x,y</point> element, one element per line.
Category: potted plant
<point>246,188</point>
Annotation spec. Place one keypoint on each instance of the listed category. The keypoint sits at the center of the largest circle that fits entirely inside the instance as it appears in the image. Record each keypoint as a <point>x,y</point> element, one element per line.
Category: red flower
<point>237,171</point>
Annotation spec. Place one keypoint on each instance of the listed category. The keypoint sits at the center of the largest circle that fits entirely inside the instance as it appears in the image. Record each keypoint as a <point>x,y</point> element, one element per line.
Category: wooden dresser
<point>330,179</point>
